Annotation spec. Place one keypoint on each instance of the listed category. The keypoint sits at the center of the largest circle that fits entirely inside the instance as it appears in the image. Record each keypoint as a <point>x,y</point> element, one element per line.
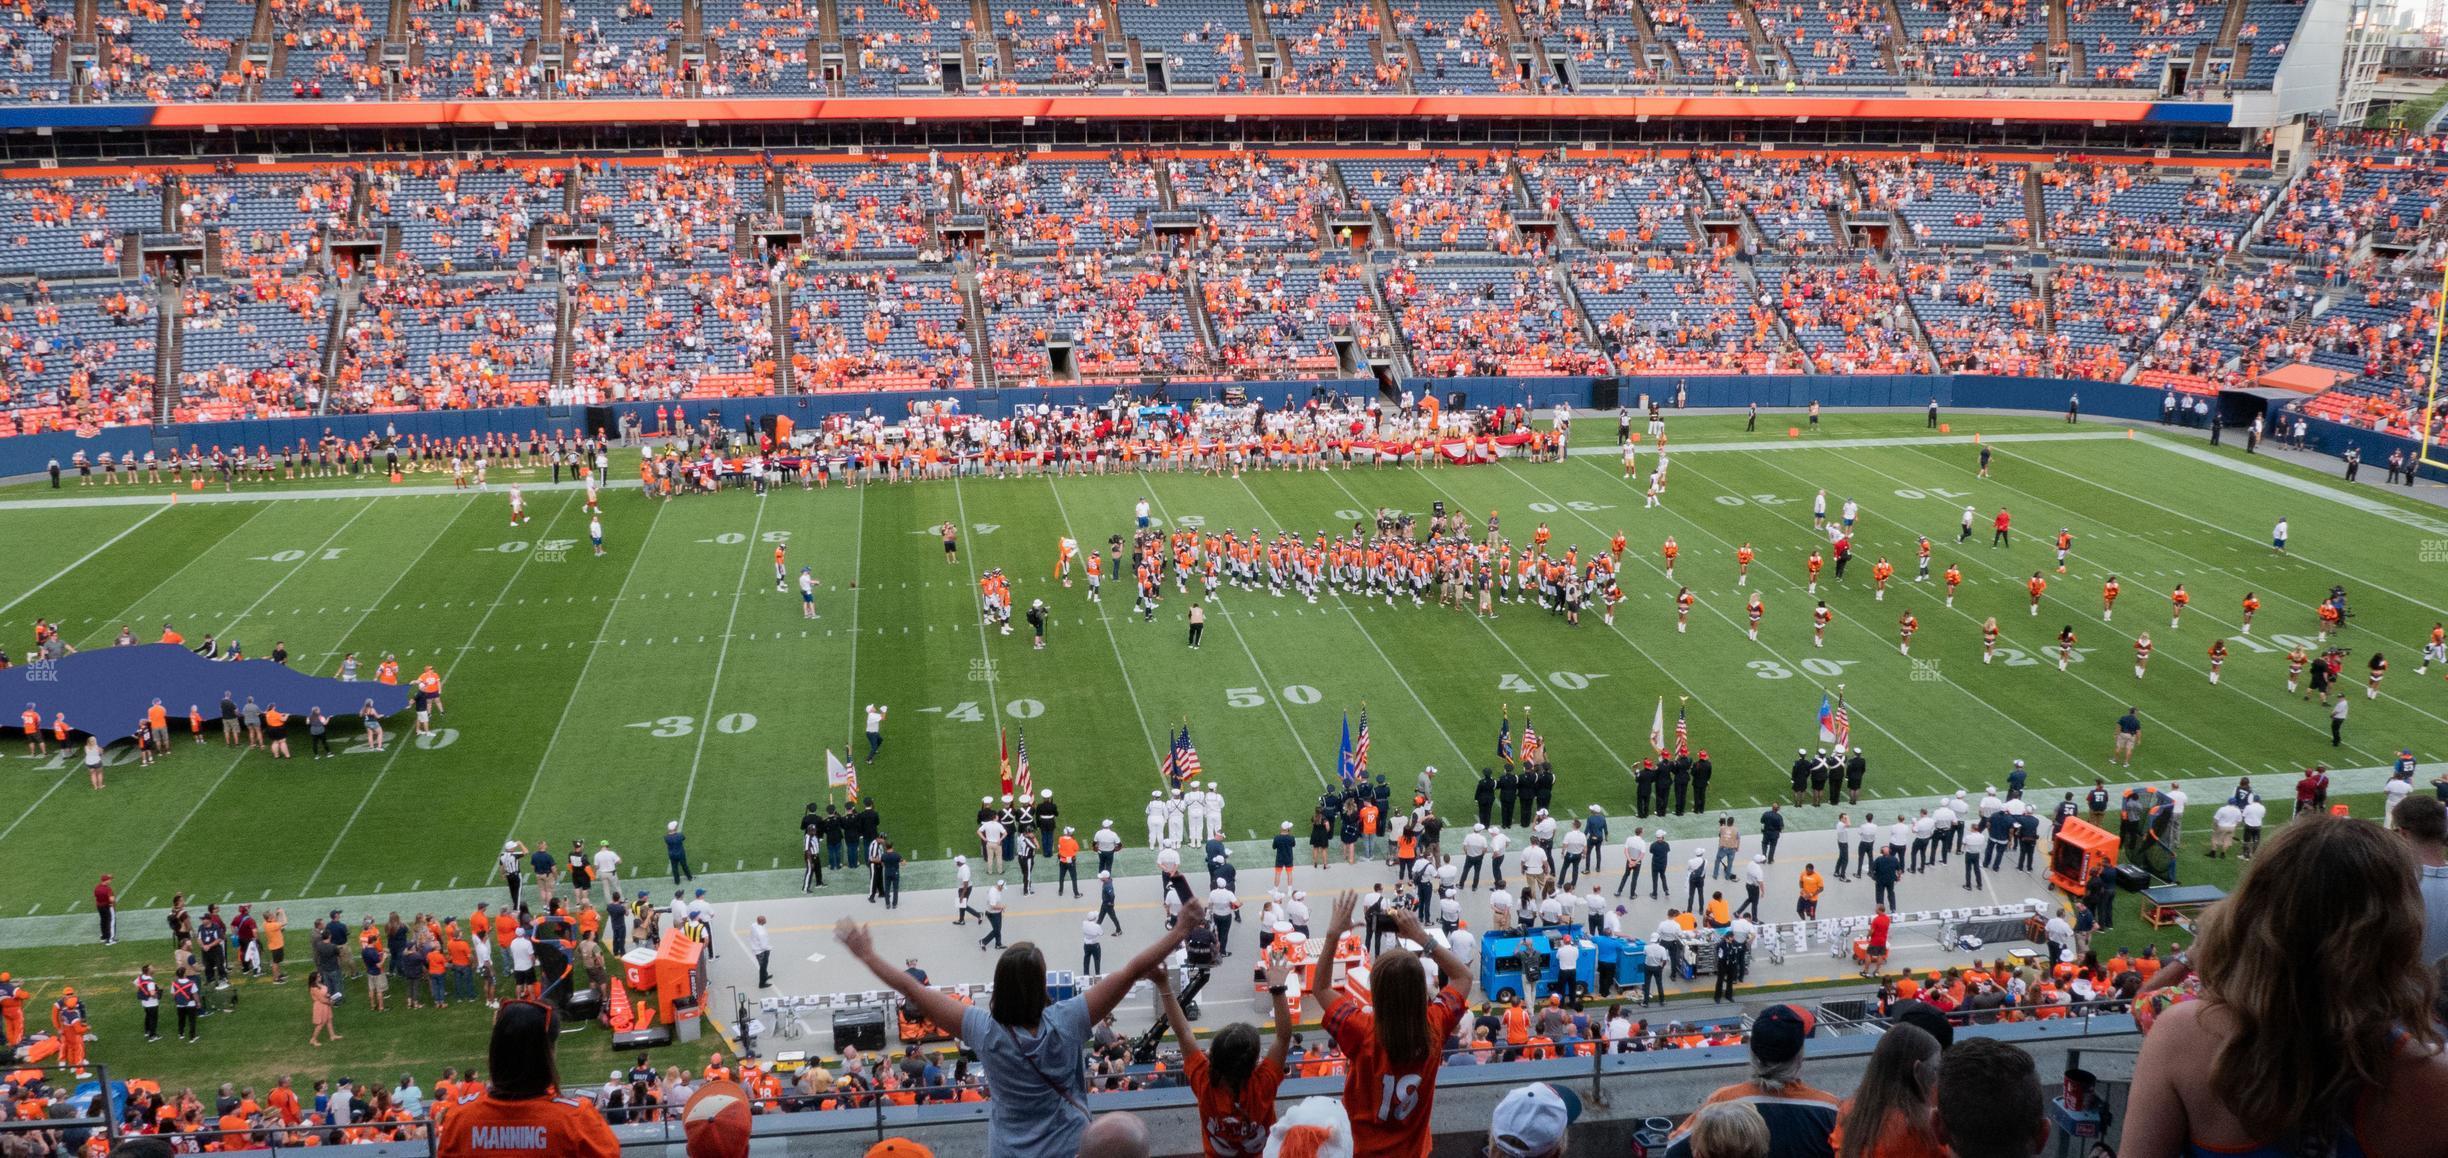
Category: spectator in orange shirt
<point>522,1114</point>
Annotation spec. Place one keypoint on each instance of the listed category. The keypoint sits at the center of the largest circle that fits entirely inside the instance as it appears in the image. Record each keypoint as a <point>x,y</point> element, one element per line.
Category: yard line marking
<point>395,581</point>
<point>21,817</point>
<point>858,556</point>
<point>721,654</point>
<point>994,703</point>
<point>2078,677</point>
<point>130,612</point>
<point>1567,708</point>
<point>2247,469</point>
<point>1721,613</point>
<point>107,544</point>
<point>170,837</point>
<point>2212,617</point>
<point>406,742</point>
<point>1227,618</point>
<point>1155,755</point>
<point>232,626</point>
<point>554,740</point>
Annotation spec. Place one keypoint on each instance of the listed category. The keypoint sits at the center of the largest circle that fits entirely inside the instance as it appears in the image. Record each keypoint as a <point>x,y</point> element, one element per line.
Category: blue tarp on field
<point>105,691</point>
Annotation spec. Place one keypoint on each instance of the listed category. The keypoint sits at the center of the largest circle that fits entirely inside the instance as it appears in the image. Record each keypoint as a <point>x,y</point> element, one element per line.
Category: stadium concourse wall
<point>30,455</point>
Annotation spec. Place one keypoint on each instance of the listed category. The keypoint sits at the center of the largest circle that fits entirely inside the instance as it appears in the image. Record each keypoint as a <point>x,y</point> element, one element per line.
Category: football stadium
<point>530,523</point>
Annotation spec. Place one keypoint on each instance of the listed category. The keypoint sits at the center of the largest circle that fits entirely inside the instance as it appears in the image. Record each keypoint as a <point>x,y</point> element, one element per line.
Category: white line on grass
<point>1741,733</point>
<point>328,540</point>
<point>1603,746</point>
<point>1242,638</point>
<point>2225,530</point>
<point>554,740</point>
<point>405,740</point>
<point>172,835</point>
<point>858,553</point>
<point>1792,665</point>
<point>63,573</point>
<point>2077,676</point>
<point>968,554</point>
<point>1155,754</point>
<point>2201,614</point>
<point>21,817</point>
<point>722,653</point>
<point>130,612</point>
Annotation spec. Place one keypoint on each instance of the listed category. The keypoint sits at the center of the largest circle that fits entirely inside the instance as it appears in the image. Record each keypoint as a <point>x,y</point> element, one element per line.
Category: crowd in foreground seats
<point>2234,1057</point>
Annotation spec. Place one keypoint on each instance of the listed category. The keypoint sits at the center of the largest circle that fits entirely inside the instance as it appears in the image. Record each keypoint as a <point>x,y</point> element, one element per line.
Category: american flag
<point>1533,748</point>
<point>1841,724</point>
<point>1682,730</point>
<point>1185,757</point>
<point>1360,747</point>
<point>1022,785</point>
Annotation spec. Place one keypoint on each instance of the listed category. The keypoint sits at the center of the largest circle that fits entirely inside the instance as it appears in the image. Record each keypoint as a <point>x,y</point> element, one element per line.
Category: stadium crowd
<point>451,283</point>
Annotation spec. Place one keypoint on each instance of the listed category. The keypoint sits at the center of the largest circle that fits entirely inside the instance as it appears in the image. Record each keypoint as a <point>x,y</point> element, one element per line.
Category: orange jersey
<point>1908,625</point>
<point>1882,572</point>
<point>2218,653</point>
<point>1742,555</point>
<point>33,722</point>
<point>1389,1104</point>
<point>1683,601</point>
<point>1670,550</point>
<point>2110,591</point>
<point>2180,598</point>
<point>481,1124</point>
<point>1822,617</point>
<point>2252,605</point>
<point>1954,577</point>
<point>2037,585</point>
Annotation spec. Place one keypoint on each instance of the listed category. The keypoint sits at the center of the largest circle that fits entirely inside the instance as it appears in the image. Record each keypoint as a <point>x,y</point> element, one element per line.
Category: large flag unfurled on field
<point>1003,759</point>
<point>840,775</point>
<point>1023,785</point>
<point>1344,768</point>
<point>1682,727</point>
<point>1657,726</point>
<point>1360,747</point>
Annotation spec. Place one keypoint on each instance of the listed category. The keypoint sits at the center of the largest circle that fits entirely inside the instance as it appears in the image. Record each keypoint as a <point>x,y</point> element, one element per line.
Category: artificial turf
<point>597,698</point>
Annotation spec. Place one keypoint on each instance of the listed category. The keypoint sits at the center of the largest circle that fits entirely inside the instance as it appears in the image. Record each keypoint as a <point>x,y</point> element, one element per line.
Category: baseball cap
<point>898,1148</point>
<point>717,1121</point>
<point>1530,1122</point>
<point>1777,1033</point>
<point>1924,1016</point>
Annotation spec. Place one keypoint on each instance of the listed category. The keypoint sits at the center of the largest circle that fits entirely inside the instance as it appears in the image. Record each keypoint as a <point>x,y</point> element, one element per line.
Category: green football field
<point>597,698</point>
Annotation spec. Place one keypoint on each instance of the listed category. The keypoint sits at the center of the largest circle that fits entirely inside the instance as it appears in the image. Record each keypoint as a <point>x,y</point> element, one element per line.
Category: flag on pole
<point>1827,718</point>
<point>840,775</point>
<point>1504,741</point>
<point>1186,759</point>
<point>1682,727</point>
<point>1003,759</point>
<point>1841,727</point>
<point>1343,759</point>
<point>1022,784</point>
<point>1657,726</point>
<point>1167,767</point>
<point>1360,747</point>
<point>1533,749</point>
